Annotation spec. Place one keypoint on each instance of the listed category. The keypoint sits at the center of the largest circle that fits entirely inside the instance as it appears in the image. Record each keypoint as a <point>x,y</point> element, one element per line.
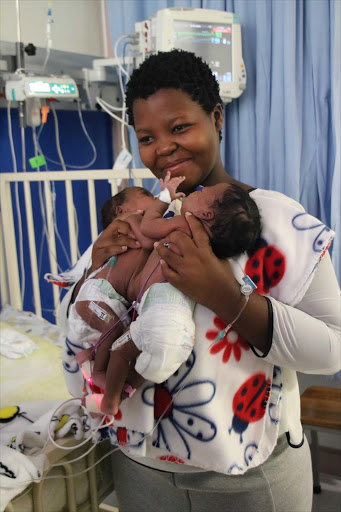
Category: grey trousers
<point>282,484</point>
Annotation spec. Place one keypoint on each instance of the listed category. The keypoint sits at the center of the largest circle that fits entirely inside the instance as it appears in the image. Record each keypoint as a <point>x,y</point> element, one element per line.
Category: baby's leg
<point>97,314</point>
<point>119,371</point>
<point>102,357</point>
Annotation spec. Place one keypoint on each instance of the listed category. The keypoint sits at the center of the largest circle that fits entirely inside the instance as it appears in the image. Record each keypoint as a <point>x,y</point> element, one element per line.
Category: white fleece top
<point>196,432</point>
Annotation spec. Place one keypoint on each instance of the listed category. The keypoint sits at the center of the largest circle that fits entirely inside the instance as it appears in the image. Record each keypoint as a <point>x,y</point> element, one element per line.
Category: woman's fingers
<point>200,235</point>
<point>115,239</point>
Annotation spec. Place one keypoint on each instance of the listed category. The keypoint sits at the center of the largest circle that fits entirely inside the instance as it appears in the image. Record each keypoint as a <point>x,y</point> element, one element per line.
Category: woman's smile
<point>175,134</point>
<point>177,167</point>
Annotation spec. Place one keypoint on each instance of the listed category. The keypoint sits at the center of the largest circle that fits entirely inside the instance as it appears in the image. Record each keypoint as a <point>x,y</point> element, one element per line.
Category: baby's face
<point>200,202</point>
<point>135,201</point>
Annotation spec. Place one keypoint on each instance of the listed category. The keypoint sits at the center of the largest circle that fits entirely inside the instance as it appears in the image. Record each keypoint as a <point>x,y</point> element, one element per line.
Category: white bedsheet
<point>25,441</point>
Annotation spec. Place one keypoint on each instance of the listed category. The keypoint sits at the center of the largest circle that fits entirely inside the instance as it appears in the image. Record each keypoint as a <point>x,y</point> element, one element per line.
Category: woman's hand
<point>191,266</point>
<point>197,272</point>
<point>115,239</point>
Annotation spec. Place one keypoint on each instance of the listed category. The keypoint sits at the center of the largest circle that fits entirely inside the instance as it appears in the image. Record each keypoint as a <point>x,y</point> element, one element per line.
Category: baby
<point>232,221</point>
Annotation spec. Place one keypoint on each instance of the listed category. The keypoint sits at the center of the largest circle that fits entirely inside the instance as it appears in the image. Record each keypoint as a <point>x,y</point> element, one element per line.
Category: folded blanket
<point>24,438</point>
<point>17,471</point>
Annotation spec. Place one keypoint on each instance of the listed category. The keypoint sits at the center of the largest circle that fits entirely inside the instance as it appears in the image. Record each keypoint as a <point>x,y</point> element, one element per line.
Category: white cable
<point>37,150</point>
<point>17,204</point>
<point>59,151</point>
<point>99,101</point>
<point>56,124</point>
<point>53,194</point>
<point>109,106</point>
<point>93,147</point>
<point>68,448</point>
<point>124,36</point>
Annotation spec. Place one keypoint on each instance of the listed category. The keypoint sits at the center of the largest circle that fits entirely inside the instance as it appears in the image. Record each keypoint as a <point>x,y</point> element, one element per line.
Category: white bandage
<point>164,331</point>
<point>78,329</point>
<point>165,196</point>
<point>93,402</point>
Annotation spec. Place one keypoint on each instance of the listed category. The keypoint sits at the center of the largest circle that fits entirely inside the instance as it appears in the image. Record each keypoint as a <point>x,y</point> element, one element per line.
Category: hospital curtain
<point>283,133</point>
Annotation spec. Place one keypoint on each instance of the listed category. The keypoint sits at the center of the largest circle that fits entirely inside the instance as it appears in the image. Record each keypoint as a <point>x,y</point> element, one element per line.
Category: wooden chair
<point>320,411</point>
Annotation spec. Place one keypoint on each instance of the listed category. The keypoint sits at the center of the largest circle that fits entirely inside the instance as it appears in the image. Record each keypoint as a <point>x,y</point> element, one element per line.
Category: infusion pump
<point>213,35</point>
<point>24,87</point>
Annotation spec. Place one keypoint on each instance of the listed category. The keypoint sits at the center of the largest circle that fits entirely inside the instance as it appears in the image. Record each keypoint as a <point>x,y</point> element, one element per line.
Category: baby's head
<point>229,215</point>
<point>129,199</point>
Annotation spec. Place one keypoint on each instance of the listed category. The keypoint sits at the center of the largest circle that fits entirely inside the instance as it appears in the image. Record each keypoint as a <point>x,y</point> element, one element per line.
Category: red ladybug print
<point>122,436</point>
<point>172,458</point>
<point>266,266</point>
<point>249,402</point>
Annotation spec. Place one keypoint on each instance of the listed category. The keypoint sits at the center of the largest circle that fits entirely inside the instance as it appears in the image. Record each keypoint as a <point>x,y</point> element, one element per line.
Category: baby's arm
<point>153,224</point>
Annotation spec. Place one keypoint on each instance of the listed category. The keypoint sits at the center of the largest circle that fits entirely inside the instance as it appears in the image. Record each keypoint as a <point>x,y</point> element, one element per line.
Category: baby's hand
<point>172,184</point>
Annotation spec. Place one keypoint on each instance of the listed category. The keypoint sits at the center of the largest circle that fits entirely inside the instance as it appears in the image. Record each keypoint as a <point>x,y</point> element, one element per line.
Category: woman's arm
<point>307,338</point>
<point>198,273</point>
<point>210,281</point>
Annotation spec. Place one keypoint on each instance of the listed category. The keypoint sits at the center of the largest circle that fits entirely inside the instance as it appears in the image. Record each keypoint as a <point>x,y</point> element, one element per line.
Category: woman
<point>228,435</point>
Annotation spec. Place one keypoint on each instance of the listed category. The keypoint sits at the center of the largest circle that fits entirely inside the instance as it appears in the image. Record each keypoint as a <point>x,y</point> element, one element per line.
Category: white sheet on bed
<point>24,441</point>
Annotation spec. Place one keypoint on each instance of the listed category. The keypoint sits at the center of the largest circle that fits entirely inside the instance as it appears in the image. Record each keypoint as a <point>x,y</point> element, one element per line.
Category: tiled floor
<point>328,501</point>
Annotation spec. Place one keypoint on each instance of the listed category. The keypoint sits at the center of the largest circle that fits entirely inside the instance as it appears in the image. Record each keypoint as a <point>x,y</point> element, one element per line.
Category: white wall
<point>78,24</point>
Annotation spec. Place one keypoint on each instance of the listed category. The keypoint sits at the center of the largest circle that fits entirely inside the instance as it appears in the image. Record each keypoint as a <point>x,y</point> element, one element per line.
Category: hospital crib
<point>73,494</point>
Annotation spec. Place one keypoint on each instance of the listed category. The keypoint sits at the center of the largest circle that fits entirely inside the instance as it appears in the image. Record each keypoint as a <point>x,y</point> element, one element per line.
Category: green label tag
<point>37,161</point>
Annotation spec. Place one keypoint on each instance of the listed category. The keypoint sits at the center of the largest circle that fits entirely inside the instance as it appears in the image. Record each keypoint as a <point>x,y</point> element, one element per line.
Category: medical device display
<point>41,87</point>
<point>213,35</point>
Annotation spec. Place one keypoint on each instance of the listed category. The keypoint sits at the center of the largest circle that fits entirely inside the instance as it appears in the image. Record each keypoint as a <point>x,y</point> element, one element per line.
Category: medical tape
<point>100,312</point>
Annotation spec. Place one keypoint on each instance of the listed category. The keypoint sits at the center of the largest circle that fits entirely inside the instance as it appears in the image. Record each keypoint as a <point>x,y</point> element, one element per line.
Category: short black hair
<point>108,210</point>
<point>177,69</point>
<point>237,225</point>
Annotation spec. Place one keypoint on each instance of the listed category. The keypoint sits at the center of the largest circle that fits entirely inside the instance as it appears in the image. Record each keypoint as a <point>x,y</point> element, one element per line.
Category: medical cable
<point>69,448</point>
<point>17,204</point>
<point>111,114</point>
<point>59,151</point>
<point>37,150</point>
<point>93,147</point>
<point>121,38</point>
<point>56,124</point>
<point>108,105</point>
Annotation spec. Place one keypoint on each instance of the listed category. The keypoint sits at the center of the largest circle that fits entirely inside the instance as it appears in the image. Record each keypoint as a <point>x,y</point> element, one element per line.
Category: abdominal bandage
<point>95,291</point>
<point>164,331</point>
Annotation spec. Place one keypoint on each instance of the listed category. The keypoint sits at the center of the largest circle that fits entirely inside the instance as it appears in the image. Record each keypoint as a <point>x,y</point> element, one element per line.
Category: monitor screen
<point>210,41</point>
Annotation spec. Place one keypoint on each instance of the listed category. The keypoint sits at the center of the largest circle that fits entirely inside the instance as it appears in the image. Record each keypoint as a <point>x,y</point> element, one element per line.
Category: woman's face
<point>175,134</point>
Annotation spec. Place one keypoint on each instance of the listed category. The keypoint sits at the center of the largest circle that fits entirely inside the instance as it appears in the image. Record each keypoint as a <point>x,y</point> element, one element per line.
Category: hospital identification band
<point>122,340</point>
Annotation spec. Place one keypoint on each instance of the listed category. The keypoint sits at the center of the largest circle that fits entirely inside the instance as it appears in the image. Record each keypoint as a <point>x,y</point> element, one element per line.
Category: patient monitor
<point>213,35</point>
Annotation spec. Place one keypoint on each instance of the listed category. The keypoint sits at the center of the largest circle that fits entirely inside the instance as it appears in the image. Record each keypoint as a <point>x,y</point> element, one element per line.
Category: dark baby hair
<point>238,223</point>
<point>108,210</point>
<point>176,69</point>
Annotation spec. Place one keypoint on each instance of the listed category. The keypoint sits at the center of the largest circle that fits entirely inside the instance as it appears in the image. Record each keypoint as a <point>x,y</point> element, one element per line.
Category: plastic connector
<point>45,109</point>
